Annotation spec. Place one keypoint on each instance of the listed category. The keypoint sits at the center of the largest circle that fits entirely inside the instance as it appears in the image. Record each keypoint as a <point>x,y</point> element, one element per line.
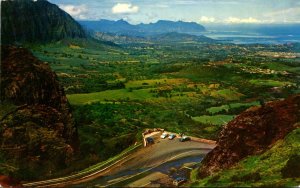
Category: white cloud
<point>205,19</point>
<point>235,20</point>
<point>77,11</point>
<point>124,8</point>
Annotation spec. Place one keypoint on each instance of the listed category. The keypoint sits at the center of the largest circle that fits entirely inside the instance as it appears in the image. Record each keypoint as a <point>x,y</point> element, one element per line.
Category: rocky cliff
<point>38,136</point>
<point>252,132</point>
<point>36,21</point>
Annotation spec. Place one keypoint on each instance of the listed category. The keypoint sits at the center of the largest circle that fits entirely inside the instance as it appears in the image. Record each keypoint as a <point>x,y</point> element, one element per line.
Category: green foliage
<point>28,21</point>
<point>214,120</point>
<point>278,166</point>
<point>190,87</point>
<point>291,169</point>
<point>231,108</point>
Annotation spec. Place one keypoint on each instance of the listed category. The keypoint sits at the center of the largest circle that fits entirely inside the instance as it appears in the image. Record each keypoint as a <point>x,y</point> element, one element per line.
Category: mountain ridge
<point>159,27</point>
<point>36,21</point>
<point>173,37</point>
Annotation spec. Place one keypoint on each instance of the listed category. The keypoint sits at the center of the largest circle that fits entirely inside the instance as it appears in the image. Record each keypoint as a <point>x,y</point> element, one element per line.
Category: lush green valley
<point>79,98</point>
<point>182,87</point>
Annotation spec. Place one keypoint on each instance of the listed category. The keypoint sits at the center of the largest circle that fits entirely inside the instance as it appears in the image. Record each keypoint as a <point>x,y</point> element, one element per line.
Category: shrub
<point>214,179</point>
<point>255,176</point>
<point>291,169</point>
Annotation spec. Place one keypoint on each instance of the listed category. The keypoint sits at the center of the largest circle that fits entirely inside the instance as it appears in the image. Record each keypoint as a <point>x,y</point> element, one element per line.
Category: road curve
<point>147,158</point>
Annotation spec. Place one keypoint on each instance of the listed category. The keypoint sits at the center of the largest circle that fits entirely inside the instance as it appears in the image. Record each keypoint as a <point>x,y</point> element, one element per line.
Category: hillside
<point>255,145</point>
<point>109,26</point>
<point>179,37</point>
<point>36,21</point>
<point>171,37</point>
<point>38,134</point>
<point>166,26</point>
<point>125,28</point>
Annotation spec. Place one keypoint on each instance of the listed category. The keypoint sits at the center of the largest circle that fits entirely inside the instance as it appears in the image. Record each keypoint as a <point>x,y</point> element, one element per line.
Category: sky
<point>200,11</point>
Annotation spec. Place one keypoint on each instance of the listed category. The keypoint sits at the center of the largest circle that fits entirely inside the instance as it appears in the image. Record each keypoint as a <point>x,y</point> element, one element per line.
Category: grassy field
<point>116,92</point>
<point>110,95</point>
<point>217,109</point>
<point>271,83</point>
<point>214,120</point>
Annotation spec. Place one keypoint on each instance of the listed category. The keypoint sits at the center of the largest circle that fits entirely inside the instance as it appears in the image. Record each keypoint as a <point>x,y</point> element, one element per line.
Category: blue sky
<point>200,11</point>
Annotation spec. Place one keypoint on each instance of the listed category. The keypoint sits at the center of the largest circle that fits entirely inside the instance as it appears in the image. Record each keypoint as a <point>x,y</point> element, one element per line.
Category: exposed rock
<point>6,181</point>
<point>252,132</point>
<point>40,135</point>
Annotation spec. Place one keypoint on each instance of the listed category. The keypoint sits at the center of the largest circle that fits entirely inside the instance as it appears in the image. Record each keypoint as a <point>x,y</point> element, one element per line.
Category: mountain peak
<point>122,21</point>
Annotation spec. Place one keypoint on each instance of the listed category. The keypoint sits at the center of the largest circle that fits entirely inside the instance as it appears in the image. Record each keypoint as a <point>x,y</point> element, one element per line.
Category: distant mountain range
<point>125,28</point>
<point>24,21</point>
<point>32,21</point>
<point>172,37</point>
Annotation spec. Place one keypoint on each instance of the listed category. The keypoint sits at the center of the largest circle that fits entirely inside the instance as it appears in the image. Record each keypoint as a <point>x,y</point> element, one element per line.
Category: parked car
<point>184,138</point>
<point>179,181</point>
<point>150,140</point>
<point>172,136</point>
<point>164,135</point>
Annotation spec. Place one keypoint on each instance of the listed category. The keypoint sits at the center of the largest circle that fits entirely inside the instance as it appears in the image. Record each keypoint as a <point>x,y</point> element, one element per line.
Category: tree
<point>262,102</point>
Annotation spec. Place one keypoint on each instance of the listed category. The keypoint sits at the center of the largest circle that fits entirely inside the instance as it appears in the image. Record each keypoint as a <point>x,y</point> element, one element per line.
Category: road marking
<point>188,168</point>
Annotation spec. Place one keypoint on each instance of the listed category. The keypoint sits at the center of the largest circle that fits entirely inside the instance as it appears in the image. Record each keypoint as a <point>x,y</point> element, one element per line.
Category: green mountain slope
<point>260,147</point>
<point>277,167</point>
<point>36,21</point>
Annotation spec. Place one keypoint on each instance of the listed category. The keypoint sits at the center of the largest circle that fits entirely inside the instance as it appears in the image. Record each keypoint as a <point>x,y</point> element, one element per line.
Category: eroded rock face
<point>252,132</point>
<point>39,135</point>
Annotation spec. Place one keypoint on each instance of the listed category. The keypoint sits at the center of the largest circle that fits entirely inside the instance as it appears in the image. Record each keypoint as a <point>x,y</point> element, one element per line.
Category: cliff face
<point>39,136</point>
<point>252,132</point>
<point>32,21</point>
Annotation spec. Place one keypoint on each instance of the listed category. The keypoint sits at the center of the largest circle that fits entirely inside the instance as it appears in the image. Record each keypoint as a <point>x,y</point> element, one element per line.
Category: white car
<point>172,136</point>
<point>164,135</point>
<point>179,181</point>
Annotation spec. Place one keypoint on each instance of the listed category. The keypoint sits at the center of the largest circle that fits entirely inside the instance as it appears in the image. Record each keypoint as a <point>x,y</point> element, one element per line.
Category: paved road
<point>150,157</point>
<point>162,150</point>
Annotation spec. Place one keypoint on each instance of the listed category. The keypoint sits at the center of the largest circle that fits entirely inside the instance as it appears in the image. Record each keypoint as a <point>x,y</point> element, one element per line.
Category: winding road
<point>132,165</point>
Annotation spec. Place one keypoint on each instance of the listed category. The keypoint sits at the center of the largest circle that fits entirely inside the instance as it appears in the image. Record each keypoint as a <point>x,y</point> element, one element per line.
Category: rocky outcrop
<point>36,21</point>
<point>39,135</point>
<point>9,182</point>
<point>252,132</point>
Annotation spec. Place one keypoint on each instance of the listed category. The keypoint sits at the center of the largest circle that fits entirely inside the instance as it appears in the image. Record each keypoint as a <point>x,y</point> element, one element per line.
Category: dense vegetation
<point>43,22</point>
<point>190,87</point>
<point>179,82</point>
